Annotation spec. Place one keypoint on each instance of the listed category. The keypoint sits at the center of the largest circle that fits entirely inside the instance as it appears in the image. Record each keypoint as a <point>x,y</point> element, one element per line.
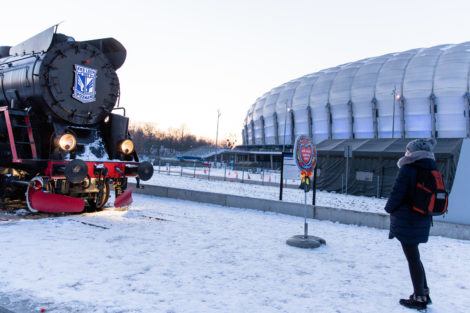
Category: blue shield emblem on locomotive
<point>84,87</point>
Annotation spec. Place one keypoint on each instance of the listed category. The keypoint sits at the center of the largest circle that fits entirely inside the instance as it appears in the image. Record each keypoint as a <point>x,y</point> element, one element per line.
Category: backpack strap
<point>420,172</point>
<point>419,179</point>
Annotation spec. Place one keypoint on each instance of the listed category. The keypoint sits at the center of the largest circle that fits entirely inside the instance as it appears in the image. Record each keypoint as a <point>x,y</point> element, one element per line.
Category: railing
<point>224,172</point>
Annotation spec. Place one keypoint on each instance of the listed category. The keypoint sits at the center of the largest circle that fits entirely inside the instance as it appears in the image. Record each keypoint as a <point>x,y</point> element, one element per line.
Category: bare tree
<point>149,140</point>
<point>230,141</point>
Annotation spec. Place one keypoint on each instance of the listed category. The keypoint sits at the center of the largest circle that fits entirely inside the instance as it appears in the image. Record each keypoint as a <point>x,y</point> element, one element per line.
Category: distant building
<point>376,106</point>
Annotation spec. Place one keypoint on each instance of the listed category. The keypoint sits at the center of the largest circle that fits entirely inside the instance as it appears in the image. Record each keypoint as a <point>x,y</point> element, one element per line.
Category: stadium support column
<point>292,127</point>
<point>276,129</point>
<point>247,136</point>
<point>351,119</point>
<point>374,118</point>
<point>310,122</point>
<point>288,109</point>
<point>395,96</point>
<point>263,132</point>
<point>467,112</point>
<point>329,118</point>
<point>253,137</point>
<point>401,101</point>
<point>433,110</point>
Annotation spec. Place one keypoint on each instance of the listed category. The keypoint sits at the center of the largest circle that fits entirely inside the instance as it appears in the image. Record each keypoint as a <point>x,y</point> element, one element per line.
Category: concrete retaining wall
<point>377,220</point>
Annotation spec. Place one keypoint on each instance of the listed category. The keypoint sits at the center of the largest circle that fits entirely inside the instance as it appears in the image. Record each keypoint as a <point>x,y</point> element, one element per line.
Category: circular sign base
<point>309,242</point>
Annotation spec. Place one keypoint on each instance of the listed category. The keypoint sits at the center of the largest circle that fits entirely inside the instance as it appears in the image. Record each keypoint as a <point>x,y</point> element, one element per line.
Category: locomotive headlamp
<point>126,146</point>
<point>67,142</point>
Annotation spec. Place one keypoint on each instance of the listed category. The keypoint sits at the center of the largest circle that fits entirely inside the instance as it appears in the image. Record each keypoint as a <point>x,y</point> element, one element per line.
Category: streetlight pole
<point>217,135</point>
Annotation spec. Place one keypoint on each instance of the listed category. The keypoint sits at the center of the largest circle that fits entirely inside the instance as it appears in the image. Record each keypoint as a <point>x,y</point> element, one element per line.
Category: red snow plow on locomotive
<point>62,145</point>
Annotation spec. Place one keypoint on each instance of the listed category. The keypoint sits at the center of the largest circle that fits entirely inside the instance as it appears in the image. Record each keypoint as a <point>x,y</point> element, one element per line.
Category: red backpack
<point>431,196</point>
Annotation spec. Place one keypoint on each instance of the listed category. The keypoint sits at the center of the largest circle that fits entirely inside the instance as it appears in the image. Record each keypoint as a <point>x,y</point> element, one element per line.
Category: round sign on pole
<point>306,159</point>
<point>305,153</point>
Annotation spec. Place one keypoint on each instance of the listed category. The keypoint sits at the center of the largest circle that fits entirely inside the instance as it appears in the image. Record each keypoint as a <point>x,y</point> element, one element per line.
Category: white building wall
<point>417,89</point>
<point>362,92</point>
<point>340,95</point>
<point>318,101</point>
<point>391,78</point>
<point>257,118</point>
<point>283,106</point>
<point>450,82</point>
<point>301,102</point>
<point>269,109</point>
<point>249,119</point>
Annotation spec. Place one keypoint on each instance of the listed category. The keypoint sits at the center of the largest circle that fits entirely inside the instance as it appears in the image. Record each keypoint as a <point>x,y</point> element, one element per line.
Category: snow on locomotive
<point>60,142</point>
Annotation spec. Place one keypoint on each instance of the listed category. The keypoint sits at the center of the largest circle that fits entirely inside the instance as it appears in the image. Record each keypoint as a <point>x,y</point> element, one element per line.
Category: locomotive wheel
<point>98,203</point>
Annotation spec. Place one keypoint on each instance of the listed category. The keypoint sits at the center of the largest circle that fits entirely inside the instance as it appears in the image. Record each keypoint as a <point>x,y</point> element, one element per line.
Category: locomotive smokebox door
<point>82,85</point>
<point>73,81</point>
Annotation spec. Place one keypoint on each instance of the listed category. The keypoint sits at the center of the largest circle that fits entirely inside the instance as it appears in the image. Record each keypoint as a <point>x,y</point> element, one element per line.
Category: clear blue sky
<point>188,58</point>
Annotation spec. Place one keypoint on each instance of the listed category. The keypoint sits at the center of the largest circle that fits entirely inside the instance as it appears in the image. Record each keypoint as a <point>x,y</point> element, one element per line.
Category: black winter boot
<point>415,302</point>
<point>428,298</point>
<point>426,293</point>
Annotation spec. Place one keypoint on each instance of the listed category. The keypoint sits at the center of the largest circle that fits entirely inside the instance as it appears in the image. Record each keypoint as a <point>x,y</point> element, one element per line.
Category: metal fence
<point>224,172</point>
<point>247,175</point>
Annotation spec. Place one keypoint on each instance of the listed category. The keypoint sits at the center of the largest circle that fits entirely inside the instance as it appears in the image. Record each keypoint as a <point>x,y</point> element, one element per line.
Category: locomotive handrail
<point>120,108</point>
<point>14,153</point>
<point>33,55</point>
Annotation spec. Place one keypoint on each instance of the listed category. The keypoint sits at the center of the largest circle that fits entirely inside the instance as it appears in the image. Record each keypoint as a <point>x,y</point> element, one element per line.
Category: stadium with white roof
<point>375,106</point>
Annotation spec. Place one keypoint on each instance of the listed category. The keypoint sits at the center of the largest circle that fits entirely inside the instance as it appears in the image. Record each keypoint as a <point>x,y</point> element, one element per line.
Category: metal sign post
<point>305,216</point>
<point>347,155</point>
<point>306,159</point>
<point>314,187</point>
<point>282,176</point>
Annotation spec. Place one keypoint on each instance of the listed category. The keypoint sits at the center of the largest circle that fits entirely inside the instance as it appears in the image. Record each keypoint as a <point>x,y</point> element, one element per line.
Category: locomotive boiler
<point>63,141</point>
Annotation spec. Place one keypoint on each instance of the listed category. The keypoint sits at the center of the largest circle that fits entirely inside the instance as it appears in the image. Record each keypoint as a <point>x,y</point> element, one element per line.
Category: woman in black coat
<point>410,227</point>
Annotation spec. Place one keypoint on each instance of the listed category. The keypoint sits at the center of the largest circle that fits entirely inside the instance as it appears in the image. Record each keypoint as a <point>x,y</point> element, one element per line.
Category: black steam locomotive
<point>61,141</point>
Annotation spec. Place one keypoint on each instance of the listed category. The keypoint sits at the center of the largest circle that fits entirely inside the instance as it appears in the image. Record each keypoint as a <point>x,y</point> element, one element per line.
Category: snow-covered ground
<point>206,258</point>
<point>323,198</point>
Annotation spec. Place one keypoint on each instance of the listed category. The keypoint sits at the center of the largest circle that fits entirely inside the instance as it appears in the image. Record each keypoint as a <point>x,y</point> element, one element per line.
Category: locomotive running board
<point>124,199</point>
<point>54,203</point>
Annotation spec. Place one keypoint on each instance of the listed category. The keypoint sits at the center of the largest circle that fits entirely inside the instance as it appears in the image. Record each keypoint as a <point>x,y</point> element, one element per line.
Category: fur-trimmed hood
<point>415,156</point>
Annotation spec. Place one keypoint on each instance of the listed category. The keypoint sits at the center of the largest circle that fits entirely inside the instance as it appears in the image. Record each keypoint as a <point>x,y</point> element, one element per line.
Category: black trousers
<point>418,276</point>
